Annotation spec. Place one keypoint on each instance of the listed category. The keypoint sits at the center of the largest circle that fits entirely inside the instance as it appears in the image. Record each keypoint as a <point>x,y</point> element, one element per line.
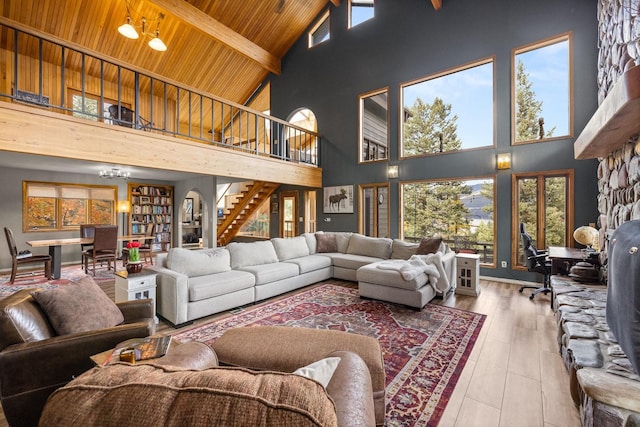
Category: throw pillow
<point>326,242</point>
<point>321,371</point>
<point>429,246</point>
<point>78,307</point>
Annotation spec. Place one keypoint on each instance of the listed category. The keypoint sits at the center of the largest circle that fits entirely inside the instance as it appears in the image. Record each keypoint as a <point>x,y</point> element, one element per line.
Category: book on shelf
<point>142,348</point>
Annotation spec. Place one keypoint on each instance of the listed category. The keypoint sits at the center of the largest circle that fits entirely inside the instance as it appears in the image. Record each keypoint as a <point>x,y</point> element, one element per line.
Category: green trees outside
<point>437,207</point>
<point>529,123</point>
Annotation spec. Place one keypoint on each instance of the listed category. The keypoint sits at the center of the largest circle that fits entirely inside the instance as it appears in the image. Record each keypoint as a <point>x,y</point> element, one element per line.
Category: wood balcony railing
<point>45,72</point>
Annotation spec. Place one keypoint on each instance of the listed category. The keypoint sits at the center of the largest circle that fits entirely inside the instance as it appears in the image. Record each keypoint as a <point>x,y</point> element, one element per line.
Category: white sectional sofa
<point>195,283</point>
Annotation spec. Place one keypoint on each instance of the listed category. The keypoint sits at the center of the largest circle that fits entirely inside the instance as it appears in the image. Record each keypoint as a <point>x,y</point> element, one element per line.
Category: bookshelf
<point>152,206</point>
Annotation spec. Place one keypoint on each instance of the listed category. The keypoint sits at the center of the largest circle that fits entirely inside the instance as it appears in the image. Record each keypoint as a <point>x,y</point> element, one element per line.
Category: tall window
<point>542,91</point>
<point>449,111</point>
<point>460,211</point>
<point>374,129</point>
<point>50,206</point>
<point>288,214</point>
<point>320,32</point>
<point>374,210</point>
<point>310,207</point>
<point>543,201</point>
<point>360,11</point>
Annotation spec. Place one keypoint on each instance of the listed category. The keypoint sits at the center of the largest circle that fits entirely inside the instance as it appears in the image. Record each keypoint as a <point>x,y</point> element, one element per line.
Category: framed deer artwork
<point>338,199</point>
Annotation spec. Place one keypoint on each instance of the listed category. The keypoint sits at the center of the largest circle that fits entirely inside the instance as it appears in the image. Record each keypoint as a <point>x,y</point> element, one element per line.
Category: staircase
<point>249,201</point>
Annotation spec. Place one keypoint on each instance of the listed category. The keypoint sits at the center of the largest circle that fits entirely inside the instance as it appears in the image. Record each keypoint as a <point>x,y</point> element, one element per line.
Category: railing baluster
<point>279,139</point>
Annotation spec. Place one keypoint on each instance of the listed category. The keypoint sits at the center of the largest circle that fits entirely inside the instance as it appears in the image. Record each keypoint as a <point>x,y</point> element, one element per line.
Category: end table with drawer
<point>130,287</point>
<point>468,274</point>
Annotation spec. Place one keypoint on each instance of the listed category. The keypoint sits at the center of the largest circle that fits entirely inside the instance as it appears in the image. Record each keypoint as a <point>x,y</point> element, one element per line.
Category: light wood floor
<point>514,376</point>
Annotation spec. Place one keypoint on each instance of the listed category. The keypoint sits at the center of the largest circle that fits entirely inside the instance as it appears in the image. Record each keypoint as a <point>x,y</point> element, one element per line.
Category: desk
<point>562,258</point>
<point>55,248</point>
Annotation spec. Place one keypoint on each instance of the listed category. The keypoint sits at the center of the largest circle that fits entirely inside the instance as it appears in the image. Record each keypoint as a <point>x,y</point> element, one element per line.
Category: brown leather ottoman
<point>286,349</point>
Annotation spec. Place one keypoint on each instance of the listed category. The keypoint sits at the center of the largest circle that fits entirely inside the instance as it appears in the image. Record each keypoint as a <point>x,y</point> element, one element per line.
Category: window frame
<point>56,188</point>
<point>516,243</point>
<point>325,18</point>
<point>360,4</point>
<point>491,177</point>
<point>375,187</point>
<point>467,66</point>
<point>361,136</point>
<point>101,107</point>
<point>568,37</point>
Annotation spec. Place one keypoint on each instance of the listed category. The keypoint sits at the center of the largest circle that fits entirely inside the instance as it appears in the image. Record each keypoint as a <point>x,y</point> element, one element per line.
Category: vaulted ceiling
<point>222,47</point>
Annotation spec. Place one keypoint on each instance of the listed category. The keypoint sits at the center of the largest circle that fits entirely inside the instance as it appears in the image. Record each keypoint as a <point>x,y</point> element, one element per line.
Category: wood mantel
<point>615,121</point>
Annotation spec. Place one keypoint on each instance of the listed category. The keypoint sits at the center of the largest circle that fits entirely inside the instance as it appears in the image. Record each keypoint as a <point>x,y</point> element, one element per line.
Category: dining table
<point>55,247</point>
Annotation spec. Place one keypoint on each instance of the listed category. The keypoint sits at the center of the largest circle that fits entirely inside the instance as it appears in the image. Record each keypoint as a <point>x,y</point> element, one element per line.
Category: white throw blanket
<point>431,265</point>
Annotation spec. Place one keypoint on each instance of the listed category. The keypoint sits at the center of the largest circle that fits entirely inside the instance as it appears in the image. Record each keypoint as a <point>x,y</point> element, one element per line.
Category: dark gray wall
<point>407,40</point>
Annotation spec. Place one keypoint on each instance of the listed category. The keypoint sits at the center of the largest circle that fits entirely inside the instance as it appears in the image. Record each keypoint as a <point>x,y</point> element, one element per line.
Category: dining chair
<point>87,231</point>
<point>28,259</point>
<point>145,247</point>
<point>105,247</point>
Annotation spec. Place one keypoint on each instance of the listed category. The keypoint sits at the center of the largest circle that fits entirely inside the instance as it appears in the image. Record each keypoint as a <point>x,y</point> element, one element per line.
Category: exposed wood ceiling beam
<point>336,3</point>
<point>201,21</point>
<point>437,4</point>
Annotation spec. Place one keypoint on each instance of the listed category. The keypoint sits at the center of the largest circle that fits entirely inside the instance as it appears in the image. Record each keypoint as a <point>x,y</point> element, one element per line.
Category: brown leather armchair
<point>34,362</point>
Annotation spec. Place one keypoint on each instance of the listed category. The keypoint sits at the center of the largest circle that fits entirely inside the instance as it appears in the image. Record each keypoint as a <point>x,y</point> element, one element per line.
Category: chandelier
<point>114,173</point>
<point>129,30</point>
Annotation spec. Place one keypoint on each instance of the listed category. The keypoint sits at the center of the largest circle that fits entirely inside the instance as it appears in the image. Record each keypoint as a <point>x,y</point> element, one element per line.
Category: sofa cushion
<point>152,395</point>
<point>403,250</point>
<point>378,247</point>
<point>326,243</point>
<point>311,242</point>
<point>22,320</point>
<point>204,287</point>
<point>429,246</point>
<point>78,307</point>
<point>311,263</point>
<point>199,262</point>
<point>294,247</point>
<point>267,273</point>
<point>252,253</point>
<point>342,240</point>
<point>352,262</point>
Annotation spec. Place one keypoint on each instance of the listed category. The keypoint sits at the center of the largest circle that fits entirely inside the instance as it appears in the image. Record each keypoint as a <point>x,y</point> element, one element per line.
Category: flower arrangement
<point>134,251</point>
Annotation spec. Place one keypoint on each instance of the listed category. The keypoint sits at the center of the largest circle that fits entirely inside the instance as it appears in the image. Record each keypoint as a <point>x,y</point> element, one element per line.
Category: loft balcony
<point>65,102</point>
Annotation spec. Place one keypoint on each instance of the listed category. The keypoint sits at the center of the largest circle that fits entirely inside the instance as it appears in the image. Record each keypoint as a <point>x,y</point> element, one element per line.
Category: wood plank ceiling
<point>222,47</point>
<point>256,34</point>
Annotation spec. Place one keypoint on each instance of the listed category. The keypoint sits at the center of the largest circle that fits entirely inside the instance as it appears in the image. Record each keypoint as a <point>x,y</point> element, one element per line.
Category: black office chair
<point>536,262</point>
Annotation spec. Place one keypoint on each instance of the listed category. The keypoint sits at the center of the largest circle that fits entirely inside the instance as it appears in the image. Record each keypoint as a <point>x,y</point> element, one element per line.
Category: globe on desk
<point>587,236</point>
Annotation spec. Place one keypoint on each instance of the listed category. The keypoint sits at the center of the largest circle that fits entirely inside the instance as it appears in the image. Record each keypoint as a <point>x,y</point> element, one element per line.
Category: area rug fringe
<point>424,352</point>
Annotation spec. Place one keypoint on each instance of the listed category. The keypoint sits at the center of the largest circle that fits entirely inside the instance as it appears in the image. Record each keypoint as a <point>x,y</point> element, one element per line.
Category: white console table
<point>131,287</point>
<point>468,274</point>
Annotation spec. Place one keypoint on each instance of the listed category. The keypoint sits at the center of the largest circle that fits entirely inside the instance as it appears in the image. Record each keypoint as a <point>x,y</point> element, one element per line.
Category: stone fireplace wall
<point>619,172</point>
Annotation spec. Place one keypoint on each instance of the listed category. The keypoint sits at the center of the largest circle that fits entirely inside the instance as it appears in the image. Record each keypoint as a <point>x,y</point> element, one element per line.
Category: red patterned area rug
<point>104,278</point>
<point>424,352</point>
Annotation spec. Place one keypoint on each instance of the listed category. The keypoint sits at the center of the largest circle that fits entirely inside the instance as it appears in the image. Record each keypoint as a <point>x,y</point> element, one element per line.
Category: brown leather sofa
<point>170,392</point>
<point>34,361</point>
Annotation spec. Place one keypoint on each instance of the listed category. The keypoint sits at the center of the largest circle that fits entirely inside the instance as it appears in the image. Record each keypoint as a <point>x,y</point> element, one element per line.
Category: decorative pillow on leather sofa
<point>199,262</point>
<point>78,307</point>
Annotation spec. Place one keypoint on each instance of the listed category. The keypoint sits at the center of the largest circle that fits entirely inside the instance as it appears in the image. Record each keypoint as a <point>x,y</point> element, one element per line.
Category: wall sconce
<point>129,31</point>
<point>503,161</point>
<point>392,171</point>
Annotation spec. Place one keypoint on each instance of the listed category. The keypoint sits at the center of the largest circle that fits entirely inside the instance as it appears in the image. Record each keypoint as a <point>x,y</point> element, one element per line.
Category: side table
<point>131,287</point>
<point>468,274</point>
